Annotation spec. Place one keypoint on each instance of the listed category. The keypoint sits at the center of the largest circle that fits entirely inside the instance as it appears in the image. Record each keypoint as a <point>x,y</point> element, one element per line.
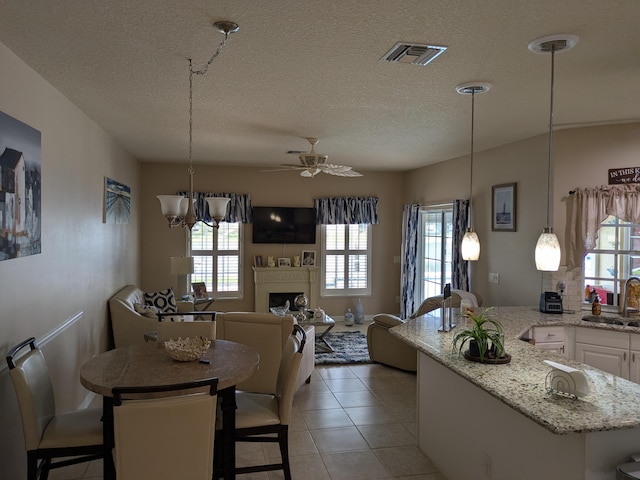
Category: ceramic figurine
<point>296,261</point>
<point>271,262</point>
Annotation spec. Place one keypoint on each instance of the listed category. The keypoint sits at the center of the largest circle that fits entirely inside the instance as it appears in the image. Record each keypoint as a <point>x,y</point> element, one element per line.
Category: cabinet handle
<point>633,357</point>
<point>624,356</point>
<point>551,334</point>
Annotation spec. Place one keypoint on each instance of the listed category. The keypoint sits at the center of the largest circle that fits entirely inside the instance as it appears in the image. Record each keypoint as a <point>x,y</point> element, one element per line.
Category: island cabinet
<point>634,367</point>
<point>605,350</point>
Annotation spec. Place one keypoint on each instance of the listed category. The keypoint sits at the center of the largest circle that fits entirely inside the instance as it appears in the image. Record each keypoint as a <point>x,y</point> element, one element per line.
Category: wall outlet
<point>494,278</point>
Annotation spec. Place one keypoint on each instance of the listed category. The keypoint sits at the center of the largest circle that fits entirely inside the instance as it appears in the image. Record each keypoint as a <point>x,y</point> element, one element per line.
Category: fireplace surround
<point>285,280</point>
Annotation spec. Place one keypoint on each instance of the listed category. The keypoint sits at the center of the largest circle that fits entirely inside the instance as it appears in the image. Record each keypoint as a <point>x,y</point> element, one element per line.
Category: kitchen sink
<point>611,320</point>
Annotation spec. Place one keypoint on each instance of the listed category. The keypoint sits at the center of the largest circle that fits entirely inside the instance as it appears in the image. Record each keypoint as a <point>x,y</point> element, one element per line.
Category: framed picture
<point>284,262</point>
<point>117,202</point>
<point>257,261</point>
<point>504,207</point>
<point>199,289</point>
<point>309,258</point>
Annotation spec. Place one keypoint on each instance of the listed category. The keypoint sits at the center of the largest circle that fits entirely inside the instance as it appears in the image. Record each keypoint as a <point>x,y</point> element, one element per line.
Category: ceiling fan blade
<point>333,167</point>
<point>284,169</point>
<point>309,173</point>
<point>343,173</point>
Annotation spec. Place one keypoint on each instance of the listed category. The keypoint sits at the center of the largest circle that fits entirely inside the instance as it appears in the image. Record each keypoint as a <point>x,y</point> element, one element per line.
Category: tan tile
<point>300,443</point>
<point>316,401</point>
<point>412,427</point>
<point>329,418</point>
<point>371,370</point>
<point>297,422</point>
<point>72,472</point>
<point>402,397</point>
<point>370,415</point>
<point>308,467</point>
<point>316,385</point>
<point>361,465</point>
<point>357,399</point>
<point>345,385</point>
<point>342,439</point>
<point>424,476</point>
<point>389,435</point>
<point>335,372</point>
<point>381,382</point>
<point>406,461</point>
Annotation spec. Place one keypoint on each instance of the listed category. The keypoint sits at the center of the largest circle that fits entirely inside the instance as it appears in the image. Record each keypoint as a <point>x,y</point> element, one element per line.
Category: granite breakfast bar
<point>478,421</point>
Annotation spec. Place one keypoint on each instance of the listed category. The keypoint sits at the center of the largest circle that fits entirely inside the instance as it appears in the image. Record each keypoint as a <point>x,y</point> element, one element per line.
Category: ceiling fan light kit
<point>547,253</point>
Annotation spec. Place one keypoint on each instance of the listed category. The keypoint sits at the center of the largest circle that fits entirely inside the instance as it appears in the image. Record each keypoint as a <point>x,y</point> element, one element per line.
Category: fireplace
<point>285,283</point>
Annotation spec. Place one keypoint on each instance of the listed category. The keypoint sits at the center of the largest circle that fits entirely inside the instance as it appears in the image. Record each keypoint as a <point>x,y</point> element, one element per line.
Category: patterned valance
<point>346,210</point>
<point>238,209</point>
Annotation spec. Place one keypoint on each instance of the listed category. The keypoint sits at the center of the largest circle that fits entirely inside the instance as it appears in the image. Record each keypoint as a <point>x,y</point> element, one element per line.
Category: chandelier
<point>178,210</point>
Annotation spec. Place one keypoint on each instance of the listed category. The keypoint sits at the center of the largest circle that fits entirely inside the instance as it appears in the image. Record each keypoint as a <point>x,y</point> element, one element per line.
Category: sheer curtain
<point>346,210</point>
<point>238,209</point>
<point>410,219</point>
<point>590,206</point>
<point>459,267</point>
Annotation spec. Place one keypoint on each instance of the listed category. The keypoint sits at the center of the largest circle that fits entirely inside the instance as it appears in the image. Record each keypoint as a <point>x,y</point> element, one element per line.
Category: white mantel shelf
<point>284,279</point>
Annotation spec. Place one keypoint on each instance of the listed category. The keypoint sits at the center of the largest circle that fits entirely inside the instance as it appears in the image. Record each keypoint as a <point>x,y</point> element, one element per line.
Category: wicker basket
<point>187,349</point>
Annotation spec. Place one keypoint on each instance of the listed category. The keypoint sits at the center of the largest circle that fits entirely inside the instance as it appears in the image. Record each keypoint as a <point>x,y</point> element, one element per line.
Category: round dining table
<point>148,364</point>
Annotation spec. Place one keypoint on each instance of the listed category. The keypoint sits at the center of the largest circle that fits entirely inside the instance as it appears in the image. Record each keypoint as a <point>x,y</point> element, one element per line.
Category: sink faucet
<point>625,307</point>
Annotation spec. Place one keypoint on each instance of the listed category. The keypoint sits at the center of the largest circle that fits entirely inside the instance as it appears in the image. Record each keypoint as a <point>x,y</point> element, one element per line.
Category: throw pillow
<point>146,310</point>
<point>163,300</point>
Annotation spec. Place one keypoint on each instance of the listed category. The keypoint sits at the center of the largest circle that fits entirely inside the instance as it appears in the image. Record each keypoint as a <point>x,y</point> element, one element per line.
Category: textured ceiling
<point>301,68</point>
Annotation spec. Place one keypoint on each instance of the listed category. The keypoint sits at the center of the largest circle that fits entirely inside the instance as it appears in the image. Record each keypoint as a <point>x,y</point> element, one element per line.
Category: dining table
<point>148,364</point>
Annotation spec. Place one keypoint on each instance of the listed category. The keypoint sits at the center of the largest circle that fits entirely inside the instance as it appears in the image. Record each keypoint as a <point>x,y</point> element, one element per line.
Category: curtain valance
<point>238,209</point>
<point>346,210</point>
<point>590,206</point>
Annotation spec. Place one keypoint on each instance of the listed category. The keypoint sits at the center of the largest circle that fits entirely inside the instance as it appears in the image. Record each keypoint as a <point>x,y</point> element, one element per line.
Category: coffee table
<point>321,342</point>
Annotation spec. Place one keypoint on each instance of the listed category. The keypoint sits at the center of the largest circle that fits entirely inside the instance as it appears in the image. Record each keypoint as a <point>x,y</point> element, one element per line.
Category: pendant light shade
<point>470,247</point>
<point>547,253</point>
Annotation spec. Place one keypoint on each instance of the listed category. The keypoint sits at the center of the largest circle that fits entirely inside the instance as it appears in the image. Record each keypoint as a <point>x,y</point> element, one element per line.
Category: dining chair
<point>199,328</point>
<point>167,437</point>
<point>259,416</point>
<point>47,436</point>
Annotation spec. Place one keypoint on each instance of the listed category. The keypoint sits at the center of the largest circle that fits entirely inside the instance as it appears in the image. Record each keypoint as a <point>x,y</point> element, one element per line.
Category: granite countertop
<point>613,403</point>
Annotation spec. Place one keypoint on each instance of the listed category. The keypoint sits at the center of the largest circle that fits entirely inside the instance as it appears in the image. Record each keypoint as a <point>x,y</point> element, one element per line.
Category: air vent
<point>414,53</point>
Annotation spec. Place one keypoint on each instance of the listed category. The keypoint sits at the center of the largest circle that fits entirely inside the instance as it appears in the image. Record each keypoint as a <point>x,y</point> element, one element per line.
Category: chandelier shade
<point>217,207</point>
<point>470,245</point>
<point>547,253</point>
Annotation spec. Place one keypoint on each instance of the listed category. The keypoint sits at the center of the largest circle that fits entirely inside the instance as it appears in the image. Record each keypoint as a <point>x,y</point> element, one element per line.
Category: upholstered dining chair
<point>200,328</point>
<point>48,436</point>
<point>165,438</point>
<point>260,415</point>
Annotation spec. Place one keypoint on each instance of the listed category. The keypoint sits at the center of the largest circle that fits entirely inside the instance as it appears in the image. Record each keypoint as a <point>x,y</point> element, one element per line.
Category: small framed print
<point>199,289</point>
<point>309,258</point>
<point>257,261</point>
<point>284,262</point>
<point>503,207</point>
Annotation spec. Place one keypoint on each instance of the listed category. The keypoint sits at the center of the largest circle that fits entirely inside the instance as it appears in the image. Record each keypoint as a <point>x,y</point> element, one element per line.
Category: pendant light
<point>547,253</point>
<point>177,209</point>
<point>470,246</point>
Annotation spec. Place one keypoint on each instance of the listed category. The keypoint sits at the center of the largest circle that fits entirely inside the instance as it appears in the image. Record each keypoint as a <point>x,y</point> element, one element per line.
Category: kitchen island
<point>478,421</point>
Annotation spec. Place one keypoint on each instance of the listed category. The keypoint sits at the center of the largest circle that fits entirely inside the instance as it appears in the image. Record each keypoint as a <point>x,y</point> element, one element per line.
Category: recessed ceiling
<point>313,69</point>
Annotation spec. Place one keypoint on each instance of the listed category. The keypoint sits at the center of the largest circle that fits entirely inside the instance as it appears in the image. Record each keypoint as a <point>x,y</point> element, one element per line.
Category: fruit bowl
<point>187,349</point>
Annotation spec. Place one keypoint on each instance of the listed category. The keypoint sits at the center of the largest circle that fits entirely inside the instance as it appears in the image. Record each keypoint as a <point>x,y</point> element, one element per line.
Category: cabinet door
<point>634,367</point>
<point>556,347</point>
<point>608,359</point>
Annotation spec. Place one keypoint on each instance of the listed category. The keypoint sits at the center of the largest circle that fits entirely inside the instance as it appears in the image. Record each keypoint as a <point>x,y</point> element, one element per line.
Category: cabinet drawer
<point>605,338</point>
<point>548,334</point>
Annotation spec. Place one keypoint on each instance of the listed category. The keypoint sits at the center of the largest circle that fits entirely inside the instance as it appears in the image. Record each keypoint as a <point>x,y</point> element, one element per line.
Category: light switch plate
<point>494,278</point>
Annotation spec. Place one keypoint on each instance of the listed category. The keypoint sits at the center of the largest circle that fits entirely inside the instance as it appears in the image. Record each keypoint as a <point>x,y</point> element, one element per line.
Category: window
<point>435,249</point>
<point>216,256</point>
<point>346,267</point>
<point>615,258</point>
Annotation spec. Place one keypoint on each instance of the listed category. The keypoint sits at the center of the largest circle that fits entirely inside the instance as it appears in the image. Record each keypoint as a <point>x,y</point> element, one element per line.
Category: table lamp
<point>181,266</point>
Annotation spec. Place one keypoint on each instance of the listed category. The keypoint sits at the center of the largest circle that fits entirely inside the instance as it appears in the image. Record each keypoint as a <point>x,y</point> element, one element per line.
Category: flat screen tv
<point>284,225</point>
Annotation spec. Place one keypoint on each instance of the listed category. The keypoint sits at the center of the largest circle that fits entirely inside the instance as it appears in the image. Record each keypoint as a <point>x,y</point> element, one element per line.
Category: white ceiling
<point>301,68</point>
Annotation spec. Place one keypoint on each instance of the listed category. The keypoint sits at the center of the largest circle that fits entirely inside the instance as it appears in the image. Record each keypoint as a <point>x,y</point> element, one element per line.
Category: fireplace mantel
<point>285,279</point>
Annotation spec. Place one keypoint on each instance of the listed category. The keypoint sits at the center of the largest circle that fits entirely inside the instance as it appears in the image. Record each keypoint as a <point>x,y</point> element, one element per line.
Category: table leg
<point>325,346</point>
<point>108,440</point>
<point>229,432</point>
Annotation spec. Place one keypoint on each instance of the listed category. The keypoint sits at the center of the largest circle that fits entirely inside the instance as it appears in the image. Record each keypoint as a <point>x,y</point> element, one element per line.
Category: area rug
<point>350,348</point>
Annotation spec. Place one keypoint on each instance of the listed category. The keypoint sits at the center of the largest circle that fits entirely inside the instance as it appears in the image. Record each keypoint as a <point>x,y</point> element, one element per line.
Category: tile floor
<point>351,422</point>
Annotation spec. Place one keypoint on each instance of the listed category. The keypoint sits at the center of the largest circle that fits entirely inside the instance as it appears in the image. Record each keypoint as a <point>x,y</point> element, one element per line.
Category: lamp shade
<point>470,245</point>
<point>181,265</point>
<point>217,207</point>
<point>547,251</point>
<point>171,205</point>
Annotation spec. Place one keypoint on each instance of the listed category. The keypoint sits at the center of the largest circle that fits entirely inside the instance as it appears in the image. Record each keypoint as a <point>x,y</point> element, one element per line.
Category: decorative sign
<point>619,176</point>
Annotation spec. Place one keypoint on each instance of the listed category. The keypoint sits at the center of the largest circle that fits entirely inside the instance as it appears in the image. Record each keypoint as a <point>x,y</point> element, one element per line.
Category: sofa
<point>127,323</point>
<point>389,350</point>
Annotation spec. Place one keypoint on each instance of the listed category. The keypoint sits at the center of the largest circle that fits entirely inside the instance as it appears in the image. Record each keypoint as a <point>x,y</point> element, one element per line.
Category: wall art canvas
<point>117,202</point>
<point>504,207</point>
<point>20,189</point>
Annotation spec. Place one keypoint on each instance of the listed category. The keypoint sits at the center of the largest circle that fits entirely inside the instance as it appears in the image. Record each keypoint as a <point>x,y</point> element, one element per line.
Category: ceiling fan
<point>312,163</point>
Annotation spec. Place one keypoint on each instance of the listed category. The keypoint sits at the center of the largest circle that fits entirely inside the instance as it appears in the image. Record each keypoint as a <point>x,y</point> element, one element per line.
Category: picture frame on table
<point>284,262</point>
<point>308,258</point>
<point>199,289</point>
<point>504,207</point>
<point>257,261</point>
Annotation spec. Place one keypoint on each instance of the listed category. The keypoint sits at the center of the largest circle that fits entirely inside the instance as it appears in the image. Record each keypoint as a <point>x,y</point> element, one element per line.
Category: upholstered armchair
<point>389,350</point>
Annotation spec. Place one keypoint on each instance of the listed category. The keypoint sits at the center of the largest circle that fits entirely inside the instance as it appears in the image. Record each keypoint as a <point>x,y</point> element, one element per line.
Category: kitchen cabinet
<point>605,350</point>
<point>550,339</point>
<point>634,366</point>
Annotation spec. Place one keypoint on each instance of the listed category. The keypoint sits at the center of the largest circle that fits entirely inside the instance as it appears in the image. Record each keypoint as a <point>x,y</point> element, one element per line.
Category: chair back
<point>34,390</point>
<point>168,437</point>
<point>199,328</point>
<point>289,365</point>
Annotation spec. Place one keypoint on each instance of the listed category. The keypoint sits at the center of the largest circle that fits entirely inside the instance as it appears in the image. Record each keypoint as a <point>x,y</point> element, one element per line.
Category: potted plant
<point>485,339</point>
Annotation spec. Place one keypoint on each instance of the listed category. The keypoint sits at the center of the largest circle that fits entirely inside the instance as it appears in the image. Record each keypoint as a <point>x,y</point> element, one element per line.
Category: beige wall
<point>581,159</point>
<point>59,296</point>
<point>272,189</point>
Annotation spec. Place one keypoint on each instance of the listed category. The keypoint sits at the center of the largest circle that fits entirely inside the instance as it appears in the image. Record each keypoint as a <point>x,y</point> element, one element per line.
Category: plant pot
<point>474,351</point>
